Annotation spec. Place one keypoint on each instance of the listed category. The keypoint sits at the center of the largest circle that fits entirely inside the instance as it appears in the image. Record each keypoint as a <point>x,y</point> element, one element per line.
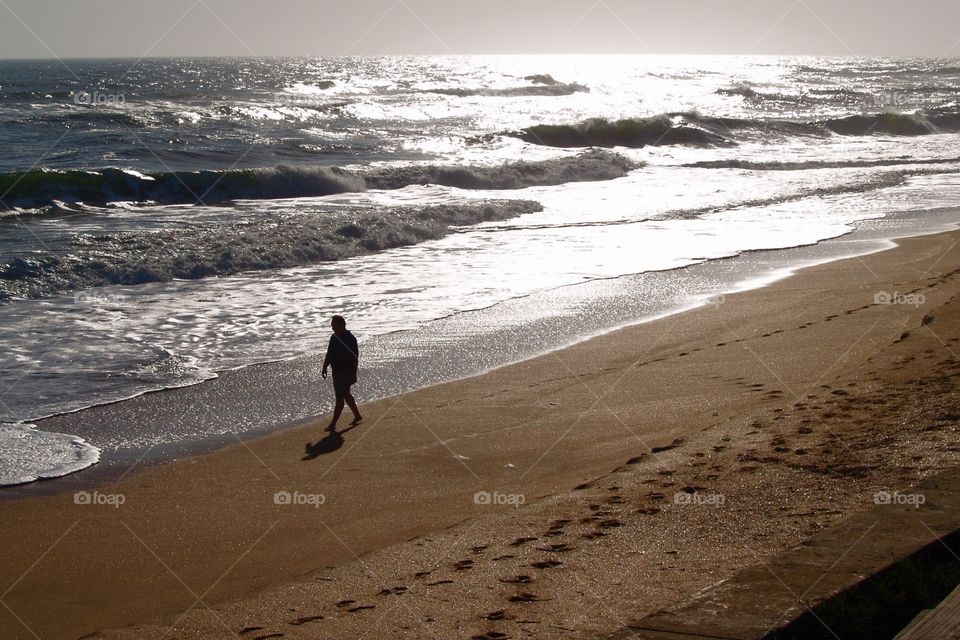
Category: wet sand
<point>650,463</point>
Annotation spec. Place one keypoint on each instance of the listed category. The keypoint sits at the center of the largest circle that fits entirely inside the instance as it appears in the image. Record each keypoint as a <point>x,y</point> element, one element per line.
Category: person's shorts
<point>342,384</point>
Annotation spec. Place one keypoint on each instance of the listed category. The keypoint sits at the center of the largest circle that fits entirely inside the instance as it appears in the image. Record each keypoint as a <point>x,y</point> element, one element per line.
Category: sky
<point>143,28</point>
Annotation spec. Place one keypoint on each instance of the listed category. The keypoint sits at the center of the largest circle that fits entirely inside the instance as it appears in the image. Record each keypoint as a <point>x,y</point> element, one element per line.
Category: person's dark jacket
<point>343,354</point>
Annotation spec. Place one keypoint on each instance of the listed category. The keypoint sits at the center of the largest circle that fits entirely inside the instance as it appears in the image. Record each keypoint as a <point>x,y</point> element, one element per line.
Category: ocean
<point>163,221</point>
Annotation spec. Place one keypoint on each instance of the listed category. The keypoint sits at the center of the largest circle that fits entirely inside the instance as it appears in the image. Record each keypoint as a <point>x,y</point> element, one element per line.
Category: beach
<point>555,497</point>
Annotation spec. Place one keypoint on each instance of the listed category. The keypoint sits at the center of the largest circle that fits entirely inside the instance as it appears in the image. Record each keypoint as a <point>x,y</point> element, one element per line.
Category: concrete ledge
<point>868,576</point>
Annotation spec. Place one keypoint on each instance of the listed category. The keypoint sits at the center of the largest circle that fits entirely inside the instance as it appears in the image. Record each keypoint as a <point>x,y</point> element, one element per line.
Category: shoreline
<point>400,491</point>
<point>755,266</point>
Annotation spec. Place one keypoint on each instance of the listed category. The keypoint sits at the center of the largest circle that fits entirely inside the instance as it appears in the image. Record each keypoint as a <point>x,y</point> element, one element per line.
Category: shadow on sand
<point>330,443</point>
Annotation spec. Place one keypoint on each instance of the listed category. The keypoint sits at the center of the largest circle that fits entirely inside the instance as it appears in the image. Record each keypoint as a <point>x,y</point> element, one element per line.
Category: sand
<point>615,477</point>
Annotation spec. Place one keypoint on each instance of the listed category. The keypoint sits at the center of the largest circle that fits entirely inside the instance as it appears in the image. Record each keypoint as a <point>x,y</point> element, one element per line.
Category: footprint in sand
<point>524,596</point>
<point>439,582</point>
<point>361,607</point>
<point>546,564</point>
<point>490,635</point>
<point>521,579</point>
<point>499,614</point>
<point>463,565</point>
<point>247,630</point>
<point>522,541</point>
<point>556,529</point>
<point>305,620</point>
<point>673,445</point>
<point>269,635</point>
<point>560,547</point>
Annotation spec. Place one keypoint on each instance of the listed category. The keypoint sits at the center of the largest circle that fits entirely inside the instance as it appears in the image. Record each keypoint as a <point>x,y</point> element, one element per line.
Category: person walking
<point>343,356</point>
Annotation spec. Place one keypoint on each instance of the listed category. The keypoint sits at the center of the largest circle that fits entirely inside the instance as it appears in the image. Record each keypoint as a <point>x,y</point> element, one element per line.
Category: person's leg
<point>339,391</point>
<point>353,407</point>
<point>337,410</point>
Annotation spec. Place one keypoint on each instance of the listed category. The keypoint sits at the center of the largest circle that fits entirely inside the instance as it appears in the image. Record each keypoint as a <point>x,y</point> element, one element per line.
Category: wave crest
<point>40,188</point>
<point>640,132</point>
<point>592,166</point>
<point>127,258</point>
<point>803,165</point>
<point>543,89</point>
<point>693,129</point>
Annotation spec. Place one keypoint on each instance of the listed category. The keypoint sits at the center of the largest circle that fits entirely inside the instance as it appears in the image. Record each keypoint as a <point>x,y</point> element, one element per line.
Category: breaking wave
<point>802,165</point>
<point>540,86</point>
<point>40,188</point>
<point>743,89</point>
<point>641,132</point>
<point>693,129</point>
<point>592,166</point>
<point>132,258</point>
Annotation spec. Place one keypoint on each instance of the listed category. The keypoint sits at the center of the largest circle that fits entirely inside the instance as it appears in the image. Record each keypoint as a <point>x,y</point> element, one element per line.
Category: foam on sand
<point>28,454</point>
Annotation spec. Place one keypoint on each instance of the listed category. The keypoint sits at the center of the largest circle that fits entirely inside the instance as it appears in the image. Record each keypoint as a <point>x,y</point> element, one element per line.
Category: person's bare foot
<point>356,420</point>
<point>332,426</point>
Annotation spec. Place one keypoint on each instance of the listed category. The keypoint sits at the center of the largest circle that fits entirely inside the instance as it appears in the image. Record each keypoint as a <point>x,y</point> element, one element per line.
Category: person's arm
<point>326,361</point>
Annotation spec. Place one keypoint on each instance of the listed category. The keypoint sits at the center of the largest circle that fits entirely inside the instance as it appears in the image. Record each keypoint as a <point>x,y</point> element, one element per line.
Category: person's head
<point>338,324</point>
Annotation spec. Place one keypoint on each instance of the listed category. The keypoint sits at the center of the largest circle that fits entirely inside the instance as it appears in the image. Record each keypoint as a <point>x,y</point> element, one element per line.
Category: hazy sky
<point>132,28</point>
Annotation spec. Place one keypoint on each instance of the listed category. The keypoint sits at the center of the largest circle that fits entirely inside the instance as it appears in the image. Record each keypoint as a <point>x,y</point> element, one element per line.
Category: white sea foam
<point>28,454</point>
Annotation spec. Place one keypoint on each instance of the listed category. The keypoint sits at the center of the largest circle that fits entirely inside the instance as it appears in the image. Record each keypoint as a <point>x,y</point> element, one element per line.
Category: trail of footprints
<point>533,556</point>
<point>538,555</point>
<point>601,517</point>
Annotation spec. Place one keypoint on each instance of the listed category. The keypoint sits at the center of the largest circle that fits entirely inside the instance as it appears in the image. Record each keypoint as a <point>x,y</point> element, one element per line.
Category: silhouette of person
<point>344,356</point>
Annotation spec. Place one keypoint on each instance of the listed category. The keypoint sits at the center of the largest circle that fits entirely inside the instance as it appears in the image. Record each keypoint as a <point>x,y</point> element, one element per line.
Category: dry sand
<point>652,462</point>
